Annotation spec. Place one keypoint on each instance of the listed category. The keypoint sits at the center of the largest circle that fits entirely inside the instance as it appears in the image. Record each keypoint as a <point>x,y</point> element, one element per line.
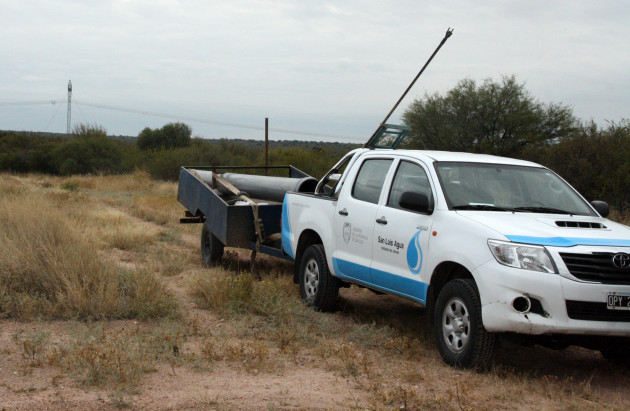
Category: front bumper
<point>500,285</point>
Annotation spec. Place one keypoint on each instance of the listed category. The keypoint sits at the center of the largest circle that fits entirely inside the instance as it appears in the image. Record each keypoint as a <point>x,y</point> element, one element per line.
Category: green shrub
<point>172,135</point>
<point>89,151</point>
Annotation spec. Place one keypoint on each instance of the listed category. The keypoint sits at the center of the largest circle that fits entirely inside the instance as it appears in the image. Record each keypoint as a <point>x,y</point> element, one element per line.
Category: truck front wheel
<point>461,338</point>
<point>211,247</point>
<point>318,287</point>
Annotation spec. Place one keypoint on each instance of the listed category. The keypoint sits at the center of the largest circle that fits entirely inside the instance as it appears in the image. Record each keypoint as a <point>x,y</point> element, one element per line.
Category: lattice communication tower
<point>69,105</point>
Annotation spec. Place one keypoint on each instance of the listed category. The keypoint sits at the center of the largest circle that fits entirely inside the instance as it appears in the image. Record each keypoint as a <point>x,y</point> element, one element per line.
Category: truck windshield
<point>501,187</point>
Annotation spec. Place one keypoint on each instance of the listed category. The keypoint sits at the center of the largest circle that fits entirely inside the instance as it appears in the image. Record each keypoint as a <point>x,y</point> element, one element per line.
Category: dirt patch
<point>225,387</point>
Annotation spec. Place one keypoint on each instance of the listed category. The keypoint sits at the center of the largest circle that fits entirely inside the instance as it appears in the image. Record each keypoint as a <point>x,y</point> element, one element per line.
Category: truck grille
<point>586,310</point>
<point>596,267</point>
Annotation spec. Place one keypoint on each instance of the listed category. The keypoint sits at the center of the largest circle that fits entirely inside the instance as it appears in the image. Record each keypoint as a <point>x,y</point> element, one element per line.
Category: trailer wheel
<point>318,287</point>
<point>211,247</point>
<point>462,340</point>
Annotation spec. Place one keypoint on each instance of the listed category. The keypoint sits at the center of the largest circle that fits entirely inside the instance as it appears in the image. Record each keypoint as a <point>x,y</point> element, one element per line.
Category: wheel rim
<point>456,325</point>
<point>311,278</point>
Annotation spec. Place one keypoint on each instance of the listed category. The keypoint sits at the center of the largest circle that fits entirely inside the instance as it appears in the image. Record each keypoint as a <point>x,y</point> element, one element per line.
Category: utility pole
<point>69,106</point>
<point>266,144</point>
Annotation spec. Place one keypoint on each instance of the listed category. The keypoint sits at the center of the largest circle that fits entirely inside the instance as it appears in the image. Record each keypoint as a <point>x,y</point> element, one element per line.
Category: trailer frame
<point>233,224</point>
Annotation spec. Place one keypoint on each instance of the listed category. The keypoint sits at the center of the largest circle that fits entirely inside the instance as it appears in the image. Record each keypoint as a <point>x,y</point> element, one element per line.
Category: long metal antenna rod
<point>69,106</point>
<point>448,34</point>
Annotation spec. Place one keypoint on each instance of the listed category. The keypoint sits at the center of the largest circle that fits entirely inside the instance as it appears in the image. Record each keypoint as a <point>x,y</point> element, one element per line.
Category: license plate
<point>618,301</point>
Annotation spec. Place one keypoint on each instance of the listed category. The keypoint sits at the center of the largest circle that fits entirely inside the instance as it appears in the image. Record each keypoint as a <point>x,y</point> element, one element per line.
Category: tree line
<point>161,152</point>
<point>492,117</point>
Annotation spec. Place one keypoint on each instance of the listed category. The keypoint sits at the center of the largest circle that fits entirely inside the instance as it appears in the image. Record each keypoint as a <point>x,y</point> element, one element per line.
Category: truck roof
<point>431,155</point>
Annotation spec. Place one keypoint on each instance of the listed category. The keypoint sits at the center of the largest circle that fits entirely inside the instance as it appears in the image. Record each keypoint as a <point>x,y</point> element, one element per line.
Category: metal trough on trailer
<point>239,210</point>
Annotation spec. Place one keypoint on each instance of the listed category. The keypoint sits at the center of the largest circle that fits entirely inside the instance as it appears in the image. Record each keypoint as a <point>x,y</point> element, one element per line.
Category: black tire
<point>462,340</point>
<point>318,287</point>
<point>211,247</point>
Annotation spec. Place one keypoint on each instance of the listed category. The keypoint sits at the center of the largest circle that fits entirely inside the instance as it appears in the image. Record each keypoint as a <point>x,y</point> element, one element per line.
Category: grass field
<point>104,304</point>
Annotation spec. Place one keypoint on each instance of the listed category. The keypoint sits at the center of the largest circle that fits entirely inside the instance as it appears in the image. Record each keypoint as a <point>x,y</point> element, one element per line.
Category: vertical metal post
<point>266,144</point>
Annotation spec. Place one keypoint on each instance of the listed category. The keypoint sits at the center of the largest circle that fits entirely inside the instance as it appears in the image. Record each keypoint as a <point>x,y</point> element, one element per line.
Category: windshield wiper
<point>548,210</point>
<point>485,207</point>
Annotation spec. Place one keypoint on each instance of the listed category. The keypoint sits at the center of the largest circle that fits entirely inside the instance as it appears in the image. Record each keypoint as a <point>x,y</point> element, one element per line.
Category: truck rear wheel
<point>211,247</point>
<point>461,338</point>
<point>318,287</point>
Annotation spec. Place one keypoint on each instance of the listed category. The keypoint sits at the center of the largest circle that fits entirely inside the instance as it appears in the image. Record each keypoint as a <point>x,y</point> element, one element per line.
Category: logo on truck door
<point>414,254</point>
<point>347,231</point>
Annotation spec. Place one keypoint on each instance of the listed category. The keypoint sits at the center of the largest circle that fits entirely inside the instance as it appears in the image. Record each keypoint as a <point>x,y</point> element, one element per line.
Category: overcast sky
<point>328,68</point>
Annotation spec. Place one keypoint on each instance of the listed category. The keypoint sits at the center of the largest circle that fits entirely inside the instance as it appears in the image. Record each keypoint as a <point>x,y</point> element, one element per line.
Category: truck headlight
<point>525,256</point>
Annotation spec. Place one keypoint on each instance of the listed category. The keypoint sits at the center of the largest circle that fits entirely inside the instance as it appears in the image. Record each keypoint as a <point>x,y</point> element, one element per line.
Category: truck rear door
<point>353,224</point>
<point>402,236</point>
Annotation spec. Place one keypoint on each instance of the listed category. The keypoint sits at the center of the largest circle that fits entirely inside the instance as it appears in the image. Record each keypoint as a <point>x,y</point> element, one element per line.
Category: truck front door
<point>354,218</point>
<point>402,236</point>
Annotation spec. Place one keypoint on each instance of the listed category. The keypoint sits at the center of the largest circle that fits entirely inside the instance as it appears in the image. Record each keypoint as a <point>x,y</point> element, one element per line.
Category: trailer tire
<point>211,247</point>
<point>462,340</point>
<point>318,287</point>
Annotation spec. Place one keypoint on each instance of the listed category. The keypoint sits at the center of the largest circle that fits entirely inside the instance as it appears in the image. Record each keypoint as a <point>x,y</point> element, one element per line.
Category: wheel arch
<point>307,238</point>
<point>442,274</point>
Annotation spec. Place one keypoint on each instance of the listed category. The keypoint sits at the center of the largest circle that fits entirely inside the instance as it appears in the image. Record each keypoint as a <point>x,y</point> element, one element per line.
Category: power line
<point>30,103</point>
<point>53,117</point>
<point>85,120</point>
<point>183,118</point>
<point>216,123</point>
<point>157,114</point>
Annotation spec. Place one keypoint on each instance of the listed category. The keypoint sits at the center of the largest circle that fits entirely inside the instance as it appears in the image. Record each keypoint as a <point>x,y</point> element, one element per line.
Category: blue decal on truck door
<point>414,254</point>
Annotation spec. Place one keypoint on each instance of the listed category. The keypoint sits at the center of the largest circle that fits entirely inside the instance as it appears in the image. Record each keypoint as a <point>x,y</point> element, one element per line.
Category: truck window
<point>370,179</point>
<point>409,177</point>
<point>340,170</point>
<point>508,186</point>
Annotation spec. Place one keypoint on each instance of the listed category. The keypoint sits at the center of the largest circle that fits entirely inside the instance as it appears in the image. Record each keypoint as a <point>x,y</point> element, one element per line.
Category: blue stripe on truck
<point>392,283</point>
<point>405,286</point>
<point>286,230</point>
<point>346,269</point>
<point>569,241</point>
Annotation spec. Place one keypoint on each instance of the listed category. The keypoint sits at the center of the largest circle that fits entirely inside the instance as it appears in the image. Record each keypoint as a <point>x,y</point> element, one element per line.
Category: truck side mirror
<point>415,201</point>
<point>601,207</point>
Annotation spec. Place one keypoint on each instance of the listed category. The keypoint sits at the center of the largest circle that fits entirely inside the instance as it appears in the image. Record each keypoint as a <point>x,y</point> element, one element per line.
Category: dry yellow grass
<point>111,247</point>
<point>49,266</point>
<point>114,228</point>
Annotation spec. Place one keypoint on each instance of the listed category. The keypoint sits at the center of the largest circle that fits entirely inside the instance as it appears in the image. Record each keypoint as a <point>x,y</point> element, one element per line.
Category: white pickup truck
<point>488,244</point>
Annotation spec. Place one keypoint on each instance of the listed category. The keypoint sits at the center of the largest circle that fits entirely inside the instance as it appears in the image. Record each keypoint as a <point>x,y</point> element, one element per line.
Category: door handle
<point>382,220</point>
<point>343,212</point>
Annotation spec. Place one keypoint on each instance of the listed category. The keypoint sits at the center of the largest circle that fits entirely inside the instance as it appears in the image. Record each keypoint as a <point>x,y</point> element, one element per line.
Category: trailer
<point>239,209</point>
